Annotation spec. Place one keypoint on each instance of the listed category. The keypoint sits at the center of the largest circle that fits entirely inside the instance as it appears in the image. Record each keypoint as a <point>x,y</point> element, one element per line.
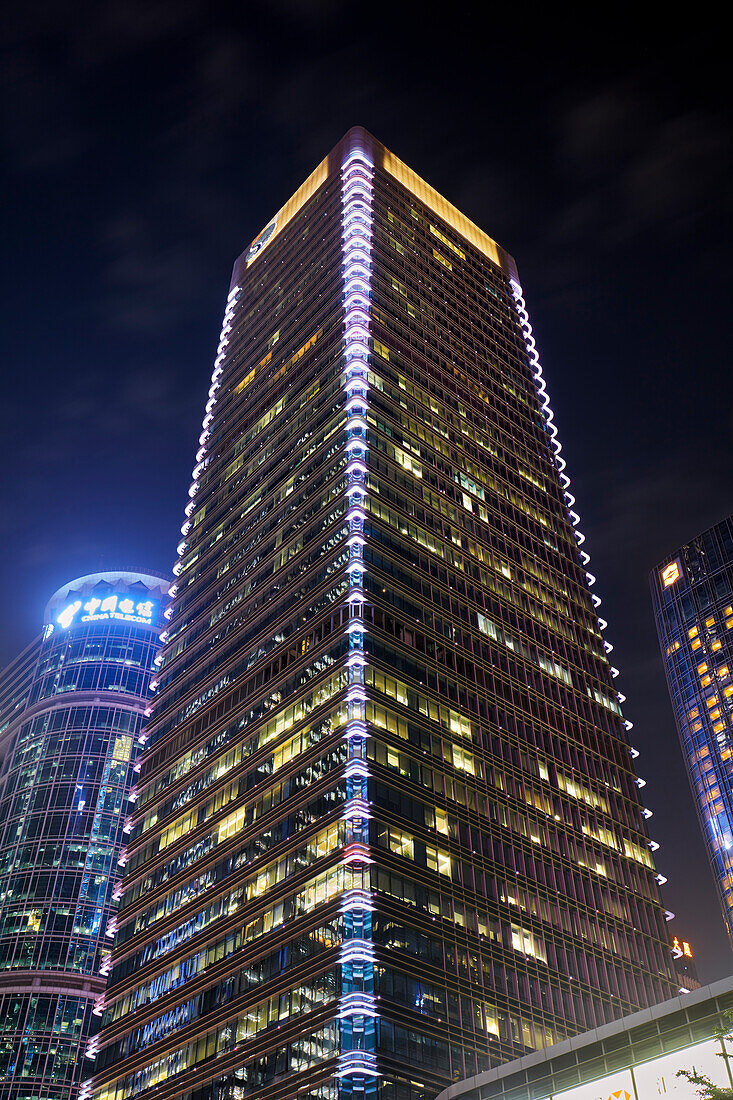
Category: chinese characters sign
<point>120,608</point>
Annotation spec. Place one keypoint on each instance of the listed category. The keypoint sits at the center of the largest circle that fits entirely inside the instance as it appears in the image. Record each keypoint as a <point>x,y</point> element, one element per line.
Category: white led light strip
<point>534,360</point>
<point>357,1007</point>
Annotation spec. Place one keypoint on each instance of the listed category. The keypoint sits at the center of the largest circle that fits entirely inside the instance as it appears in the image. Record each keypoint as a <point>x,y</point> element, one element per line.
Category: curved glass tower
<point>71,707</point>
<point>692,592</point>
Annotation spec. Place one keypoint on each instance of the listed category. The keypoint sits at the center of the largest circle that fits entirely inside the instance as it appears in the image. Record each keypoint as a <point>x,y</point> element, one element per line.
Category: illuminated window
<point>454,248</point>
<point>702,668</point>
<point>710,621</point>
<point>442,260</point>
<point>693,633</point>
<point>716,646</point>
<point>245,381</point>
<point>463,760</point>
<point>706,681</point>
<point>696,644</point>
<point>527,943</point>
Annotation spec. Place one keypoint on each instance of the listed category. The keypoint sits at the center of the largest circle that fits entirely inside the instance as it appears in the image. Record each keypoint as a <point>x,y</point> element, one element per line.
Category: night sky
<point>146,143</point>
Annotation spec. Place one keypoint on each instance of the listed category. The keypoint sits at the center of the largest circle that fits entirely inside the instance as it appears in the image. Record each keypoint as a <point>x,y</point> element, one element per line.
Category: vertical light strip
<point>357,1006</point>
<point>534,361</point>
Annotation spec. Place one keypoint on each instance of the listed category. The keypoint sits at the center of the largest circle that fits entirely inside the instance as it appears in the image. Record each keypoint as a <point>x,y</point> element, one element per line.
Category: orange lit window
<point>712,701</point>
<point>697,727</point>
<point>716,646</point>
<point>728,611</point>
<point>696,644</point>
<point>706,681</point>
<point>702,668</point>
<point>719,727</point>
<point>728,623</point>
<point>710,621</point>
<point>723,671</point>
<point>692,633</point>
<point>695,713</point>
<point>715,713</point>
<point>728,692</point>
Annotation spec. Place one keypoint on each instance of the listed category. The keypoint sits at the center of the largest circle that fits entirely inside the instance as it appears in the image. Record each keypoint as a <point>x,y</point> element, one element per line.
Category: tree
<point>706,1090</point>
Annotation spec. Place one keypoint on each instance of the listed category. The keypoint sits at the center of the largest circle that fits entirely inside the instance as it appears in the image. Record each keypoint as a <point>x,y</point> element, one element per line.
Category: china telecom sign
<point>118,608</point>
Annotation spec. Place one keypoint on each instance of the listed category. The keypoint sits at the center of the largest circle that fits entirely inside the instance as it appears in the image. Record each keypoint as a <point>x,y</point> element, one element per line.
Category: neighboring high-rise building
<point>692,592</point>
<point>71,708</point>
<point>388,829</point>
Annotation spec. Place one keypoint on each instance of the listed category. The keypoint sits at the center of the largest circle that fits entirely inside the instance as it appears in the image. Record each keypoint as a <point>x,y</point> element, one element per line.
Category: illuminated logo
<point>671,574</point>
<point>259,242</point>
<point>120,608</point>
<point>680,948</point>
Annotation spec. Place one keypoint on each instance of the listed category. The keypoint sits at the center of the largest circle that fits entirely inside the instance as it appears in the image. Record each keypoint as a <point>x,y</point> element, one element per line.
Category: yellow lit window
<point>463,760</point>
<point>728,623</point>
<point>696,644</point>
<point>442,260</point>
<point>719,727</point>
<point>728,611</point>
<point>702,668</point>
<point>716,646</point>
<point>715,713</point>
<point>454,248</point>
<point>723,672</point>
<point>706,681</point>
<point>692,633</point>
<point>728,692</point>
<point>710,621</point>
<point>712,701</point>
<point>245,381</point>
<point>695,713</point>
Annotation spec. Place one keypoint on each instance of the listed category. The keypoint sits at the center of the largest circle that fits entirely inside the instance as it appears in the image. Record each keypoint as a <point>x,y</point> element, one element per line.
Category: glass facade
<point>636,1058</point>
<point>387,829</point>
<point>72,708</point>
<point>692,592</point>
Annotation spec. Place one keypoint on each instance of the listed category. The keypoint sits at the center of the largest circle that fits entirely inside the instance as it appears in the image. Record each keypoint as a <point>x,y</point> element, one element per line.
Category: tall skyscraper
<point>692,592</point>
<point>71,709</point>
<point>387,827</point>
